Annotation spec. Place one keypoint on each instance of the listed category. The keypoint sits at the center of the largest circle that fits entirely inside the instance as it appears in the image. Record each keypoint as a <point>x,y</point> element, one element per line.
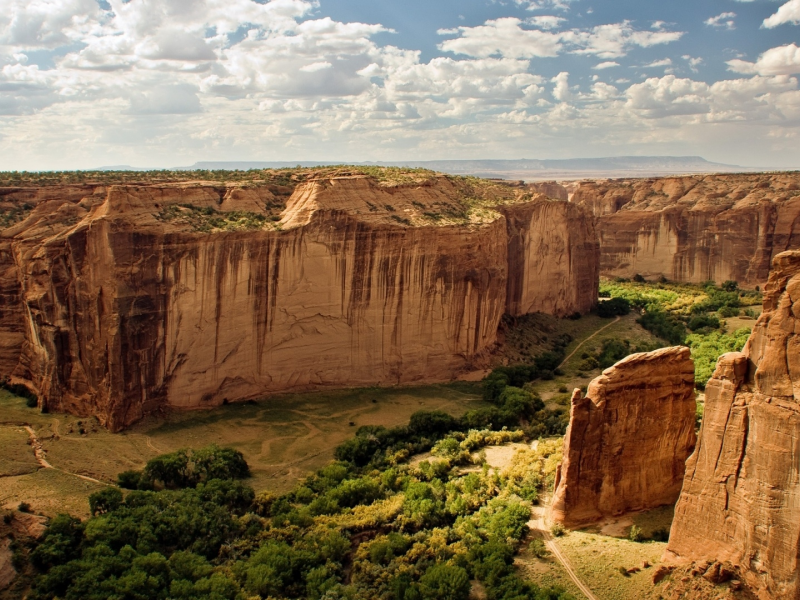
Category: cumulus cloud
<point>506,37</point>
<point>546,21</point>
<point>272,79</point>
<point>616,39</point>
<point>725,20</point>
<point>788,13</point>
<point>783,60</point>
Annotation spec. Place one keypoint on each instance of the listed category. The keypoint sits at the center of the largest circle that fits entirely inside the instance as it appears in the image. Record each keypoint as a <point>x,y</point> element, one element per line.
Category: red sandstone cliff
<point>117,305</point>
<point>741,494</point>
<point>694,228</point>
<point>628,439</point>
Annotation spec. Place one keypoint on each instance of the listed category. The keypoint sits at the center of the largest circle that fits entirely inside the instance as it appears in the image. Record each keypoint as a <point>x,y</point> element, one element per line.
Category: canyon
<point>740,500</point>
<point>693,228</point>
<point>120,300</point>
<point>628,438</point>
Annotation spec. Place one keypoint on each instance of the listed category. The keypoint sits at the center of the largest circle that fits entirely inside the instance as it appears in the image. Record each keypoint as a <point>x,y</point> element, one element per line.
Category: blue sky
<point>160,83</point>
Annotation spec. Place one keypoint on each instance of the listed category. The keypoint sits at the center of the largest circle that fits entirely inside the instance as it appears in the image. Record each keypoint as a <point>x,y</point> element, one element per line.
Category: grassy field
<point>282,438</point>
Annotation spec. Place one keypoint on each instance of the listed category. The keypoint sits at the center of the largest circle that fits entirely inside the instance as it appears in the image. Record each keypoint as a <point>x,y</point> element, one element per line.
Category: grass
<point>283,438</point>
<point>17,457</point>
<point>597,558</point>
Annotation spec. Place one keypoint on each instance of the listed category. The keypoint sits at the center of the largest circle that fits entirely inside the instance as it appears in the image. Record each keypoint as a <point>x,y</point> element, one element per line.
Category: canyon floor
<point>285,437</point>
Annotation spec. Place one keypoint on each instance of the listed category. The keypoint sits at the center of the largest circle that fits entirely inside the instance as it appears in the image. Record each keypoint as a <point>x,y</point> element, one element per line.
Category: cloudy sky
<point>163,83</point>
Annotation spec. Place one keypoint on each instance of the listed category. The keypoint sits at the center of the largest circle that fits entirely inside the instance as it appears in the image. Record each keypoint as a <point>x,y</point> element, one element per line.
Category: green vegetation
<point>670,311</point>
<point>206,219</point>
<point>21,391</point>
<point>374,524</point>
<point>13,215</point>
<point>707,348</point>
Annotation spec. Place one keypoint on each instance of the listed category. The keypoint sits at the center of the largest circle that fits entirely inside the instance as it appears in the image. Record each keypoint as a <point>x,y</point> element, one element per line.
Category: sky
<point>166,83</point>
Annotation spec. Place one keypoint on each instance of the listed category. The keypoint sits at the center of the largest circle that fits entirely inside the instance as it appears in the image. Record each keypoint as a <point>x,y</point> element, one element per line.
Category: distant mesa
<point>524,169</point>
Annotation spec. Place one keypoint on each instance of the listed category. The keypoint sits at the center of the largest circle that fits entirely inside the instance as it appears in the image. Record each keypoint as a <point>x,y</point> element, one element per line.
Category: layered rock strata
<point>137,297</point>
<point>741,495</point>
<point>628,439</point>
<point>694,228</point>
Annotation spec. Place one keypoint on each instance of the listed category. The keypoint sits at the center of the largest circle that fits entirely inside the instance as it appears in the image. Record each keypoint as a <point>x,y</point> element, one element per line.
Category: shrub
<point>638,278</point>
<point>24,507</point>
<point>614,307</point>
<point>663,325</point>
<point>729,286</point>
<point>703,321</point>
<point>557,530</point>
<point>635,534</point>
<point>538,549</point>
<point>105,501</point>
<point>129,480</point>
<point>728,311</point>
<point>443,582</point>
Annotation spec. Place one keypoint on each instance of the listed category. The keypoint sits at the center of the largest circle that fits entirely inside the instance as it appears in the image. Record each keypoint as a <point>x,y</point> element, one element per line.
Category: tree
<point>105,501</point>
<point>443,582</point>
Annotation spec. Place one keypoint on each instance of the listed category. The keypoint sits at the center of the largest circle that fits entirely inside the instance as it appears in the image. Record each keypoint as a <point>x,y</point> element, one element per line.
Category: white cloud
<point>664,62</point>
<point>561,92</point>
<point>694,61</point>
<point>606,65</point>
<point>544,4</point>
<point>783,60</point>
<point>788,13</point>
<point>725,20</point>
<point>545,22</point>
<point>167,82</point>
<point>504,37</point>
<point>615,40</point>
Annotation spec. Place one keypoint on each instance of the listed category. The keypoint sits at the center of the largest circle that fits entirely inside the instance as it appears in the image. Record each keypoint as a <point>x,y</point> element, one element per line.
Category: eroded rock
<point>694,228</point>
<point>741,496</point>
<point>628,439</point>
<point>128,299</point>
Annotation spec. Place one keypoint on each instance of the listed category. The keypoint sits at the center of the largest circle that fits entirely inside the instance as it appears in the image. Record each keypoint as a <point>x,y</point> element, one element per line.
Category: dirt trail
<point>38,451</point>
<point>578,347</point>
<point>537,524</point>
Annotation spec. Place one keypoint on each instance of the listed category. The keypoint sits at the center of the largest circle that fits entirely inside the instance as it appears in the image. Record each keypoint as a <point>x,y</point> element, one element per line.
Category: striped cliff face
<point>694,228</point>
<point>144,298</point>
<point>740,500</point>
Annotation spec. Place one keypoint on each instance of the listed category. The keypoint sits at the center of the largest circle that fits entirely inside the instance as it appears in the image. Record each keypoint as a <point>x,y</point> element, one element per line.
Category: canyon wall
<point>628,439</point>
<point>126,300</point>
<point>694,228</point>
<point>741,494</point>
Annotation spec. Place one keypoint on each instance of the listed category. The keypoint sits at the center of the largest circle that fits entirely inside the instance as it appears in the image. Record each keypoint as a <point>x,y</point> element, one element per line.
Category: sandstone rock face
<point>694,228</point>
<point>119,309</point>
<point>628,439</point>
<point>741,496</point>
<point>543,256</point>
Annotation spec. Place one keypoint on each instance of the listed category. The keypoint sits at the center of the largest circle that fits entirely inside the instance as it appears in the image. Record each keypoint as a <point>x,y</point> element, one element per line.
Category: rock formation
<point>741,495</point>
<point>694,228</point>
<point>628,439</point>
<point>117,301</point>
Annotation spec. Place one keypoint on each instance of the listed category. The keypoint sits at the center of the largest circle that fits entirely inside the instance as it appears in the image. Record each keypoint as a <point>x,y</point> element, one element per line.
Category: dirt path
<point>38,451</point>
<point>537,524</point>
<point>578,347</point>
